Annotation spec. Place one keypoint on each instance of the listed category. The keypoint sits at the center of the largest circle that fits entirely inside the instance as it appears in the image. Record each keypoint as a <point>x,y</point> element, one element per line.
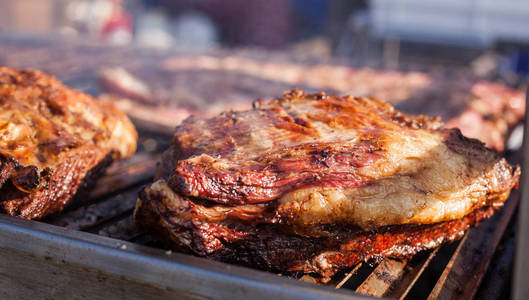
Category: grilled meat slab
<point>323,174</point>
<point>53,141</point>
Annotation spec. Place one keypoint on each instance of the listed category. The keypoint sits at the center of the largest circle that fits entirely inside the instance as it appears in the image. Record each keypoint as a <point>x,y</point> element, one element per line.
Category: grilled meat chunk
<point>325,174</point>
<point>53,141</point>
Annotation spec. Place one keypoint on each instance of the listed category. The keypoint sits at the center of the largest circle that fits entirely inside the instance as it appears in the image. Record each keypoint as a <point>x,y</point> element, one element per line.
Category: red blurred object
<point>119,22</point>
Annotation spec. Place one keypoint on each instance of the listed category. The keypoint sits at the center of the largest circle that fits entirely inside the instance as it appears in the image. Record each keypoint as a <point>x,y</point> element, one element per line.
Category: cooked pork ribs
<point>318,183</point>
<point>53,141</point>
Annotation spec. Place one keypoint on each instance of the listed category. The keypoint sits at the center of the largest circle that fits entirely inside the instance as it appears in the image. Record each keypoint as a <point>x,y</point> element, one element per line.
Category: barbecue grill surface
<point>98,240</point>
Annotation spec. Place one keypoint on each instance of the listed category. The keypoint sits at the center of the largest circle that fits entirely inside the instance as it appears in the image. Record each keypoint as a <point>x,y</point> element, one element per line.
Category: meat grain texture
<point>317,183</point>
<point>53,141</point>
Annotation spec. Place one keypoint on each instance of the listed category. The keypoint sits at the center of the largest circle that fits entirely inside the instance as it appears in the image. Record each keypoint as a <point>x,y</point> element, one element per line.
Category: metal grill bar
<point>381,279</point>
<point>520,286</point>
<point>99,258</point>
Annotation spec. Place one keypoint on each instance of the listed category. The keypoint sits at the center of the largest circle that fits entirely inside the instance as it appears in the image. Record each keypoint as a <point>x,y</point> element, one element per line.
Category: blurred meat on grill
<point>206,85</point>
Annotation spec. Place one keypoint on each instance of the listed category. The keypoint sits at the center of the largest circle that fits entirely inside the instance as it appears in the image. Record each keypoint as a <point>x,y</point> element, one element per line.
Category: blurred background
<point>489,36</point>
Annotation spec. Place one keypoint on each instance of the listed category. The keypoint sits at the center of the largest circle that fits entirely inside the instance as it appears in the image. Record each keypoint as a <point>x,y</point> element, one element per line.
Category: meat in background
<point>207,85</point>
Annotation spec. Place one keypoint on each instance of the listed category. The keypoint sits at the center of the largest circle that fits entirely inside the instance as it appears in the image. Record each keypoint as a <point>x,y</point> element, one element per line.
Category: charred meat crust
<point>57,188</point>
<point>53,140</point>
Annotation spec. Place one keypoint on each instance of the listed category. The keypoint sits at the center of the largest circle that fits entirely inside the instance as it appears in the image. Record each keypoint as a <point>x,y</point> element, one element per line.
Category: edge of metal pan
<point>185,274</point>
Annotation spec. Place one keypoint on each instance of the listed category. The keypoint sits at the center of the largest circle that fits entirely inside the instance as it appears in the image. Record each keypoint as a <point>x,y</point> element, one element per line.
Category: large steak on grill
<point>317,183</point>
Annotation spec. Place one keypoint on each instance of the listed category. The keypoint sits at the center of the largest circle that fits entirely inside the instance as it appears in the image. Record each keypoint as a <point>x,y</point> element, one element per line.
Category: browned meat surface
<point>53,141</point>
<point>316,183</point>
<point>331,150</point>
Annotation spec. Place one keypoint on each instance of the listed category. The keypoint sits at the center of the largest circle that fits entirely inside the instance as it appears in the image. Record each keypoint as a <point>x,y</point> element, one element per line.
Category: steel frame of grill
<point>175,274</point>
<point>520,288</point>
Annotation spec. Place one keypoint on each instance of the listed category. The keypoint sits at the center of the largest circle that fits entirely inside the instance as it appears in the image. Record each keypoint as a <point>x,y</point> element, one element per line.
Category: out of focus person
<point>117,27</point>
<point>266,23</point>
<point>102,19</point>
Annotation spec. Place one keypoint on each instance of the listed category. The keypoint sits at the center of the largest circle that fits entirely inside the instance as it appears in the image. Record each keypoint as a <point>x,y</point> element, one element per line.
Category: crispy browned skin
<point>342,179</point>
<point>53,140</point>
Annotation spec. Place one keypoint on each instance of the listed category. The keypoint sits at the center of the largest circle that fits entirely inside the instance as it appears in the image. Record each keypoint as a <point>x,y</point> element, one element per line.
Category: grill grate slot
<point>383,276</point>
<point>412,272</point>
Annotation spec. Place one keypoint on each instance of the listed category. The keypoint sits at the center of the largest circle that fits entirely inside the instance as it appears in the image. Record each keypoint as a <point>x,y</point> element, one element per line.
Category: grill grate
<point>452,271</point>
